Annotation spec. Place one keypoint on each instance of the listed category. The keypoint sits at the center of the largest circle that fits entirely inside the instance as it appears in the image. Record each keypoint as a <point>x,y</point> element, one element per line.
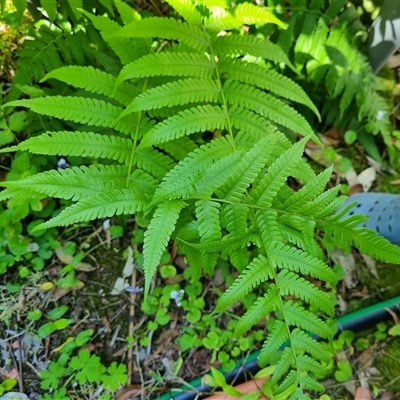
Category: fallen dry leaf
<point>65,259</point>
<point>348,264</point>
<point>129,392</point>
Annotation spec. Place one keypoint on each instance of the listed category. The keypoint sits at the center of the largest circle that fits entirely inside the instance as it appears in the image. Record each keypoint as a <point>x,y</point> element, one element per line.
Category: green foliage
<point>325,47</point>
<point>85,369</point>
<point>188,133</point>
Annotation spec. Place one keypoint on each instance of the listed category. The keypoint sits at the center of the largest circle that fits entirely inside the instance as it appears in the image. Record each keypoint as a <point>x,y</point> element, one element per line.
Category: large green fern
<point>222,192</point>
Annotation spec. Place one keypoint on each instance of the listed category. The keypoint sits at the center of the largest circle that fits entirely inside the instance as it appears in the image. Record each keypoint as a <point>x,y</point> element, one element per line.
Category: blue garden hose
<point>383,211</point>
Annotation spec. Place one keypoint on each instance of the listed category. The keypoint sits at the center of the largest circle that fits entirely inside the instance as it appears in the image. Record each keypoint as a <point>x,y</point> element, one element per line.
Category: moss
<point>388,284</point>
<point>388,363</point>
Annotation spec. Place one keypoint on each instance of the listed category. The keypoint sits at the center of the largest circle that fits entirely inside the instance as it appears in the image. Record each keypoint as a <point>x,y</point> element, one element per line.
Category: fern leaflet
<point>263,78</point>
<point>172,64</point>
<point>167,28</point>
<point>93,80</point>
<point>237,45</point>
<point>77,109</point>
<point>198,119</point>
<point>114,202</point>
<point>279,334</point>
<point>296,315</point>
<point>74,183</point>
<point>157,236</point>
<point>262,307</point>
<point>258,271</point>
<point>84,144</point>
<point>175,93</point>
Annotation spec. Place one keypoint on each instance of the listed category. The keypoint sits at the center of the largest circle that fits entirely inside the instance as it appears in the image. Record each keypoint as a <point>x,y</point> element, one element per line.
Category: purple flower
<point>177,296</point>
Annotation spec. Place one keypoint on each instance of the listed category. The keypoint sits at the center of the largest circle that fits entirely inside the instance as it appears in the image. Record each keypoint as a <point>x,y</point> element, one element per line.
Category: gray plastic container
<point>383,211</point>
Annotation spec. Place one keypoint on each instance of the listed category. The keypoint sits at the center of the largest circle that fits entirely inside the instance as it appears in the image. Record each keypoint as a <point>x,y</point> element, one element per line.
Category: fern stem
<point>223,99</point>
<point>280,299</point>
<point>135,140</point>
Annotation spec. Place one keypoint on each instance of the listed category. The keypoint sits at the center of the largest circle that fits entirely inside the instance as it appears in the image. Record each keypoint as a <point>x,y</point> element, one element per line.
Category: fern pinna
<point>222,193</point>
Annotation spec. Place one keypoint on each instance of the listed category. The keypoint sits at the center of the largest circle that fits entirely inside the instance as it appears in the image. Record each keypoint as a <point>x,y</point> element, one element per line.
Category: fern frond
<point>237,45</point>
<point>262,307</point>
<point>292,284</point>
<point>178,181</point>
<point>220,19</point>
<point>126,49</point>
<point>268,106</point>
<point>278,172</point>
<point>250,122</point>
<point>207,213</point>
<point>250,14</point>
<point>296,315</point>
<point>307,363</point>
<point>304,342</point>
<point>194,260</point>
<point>279,334</point>
<point>168,64</point>
<point>197,119</point>
<point>179,148</point>
<point>127,13</point>
<point>187,10</point>
<point>216,175</point>
<point>321,201</point>
<point>74,183</point>
<point>309,383</point>
<point>308,192</point>
<point>84,110</point>
<point>268,227</point>
<point>263,78</point>
<point>226,244</point>
<point>329,208</point>
<point>108,204</point>
<point>283,256</point>
<point>95,81</point>
<point>84,144</point>
<point>235,217</point>
<point>247,171</point>
<point>153,161</point>
<point>258,271</point>
<point>371,243</point>
<point>175,93</point>
<point>143,181</point>
<point>157,236</point>
<point>239,258</point>
<point>289,387</point>
<point>283,365</point>
<point>167,28</point>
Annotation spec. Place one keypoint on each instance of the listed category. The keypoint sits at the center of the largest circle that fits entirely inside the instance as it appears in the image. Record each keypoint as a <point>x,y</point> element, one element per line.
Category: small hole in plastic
<point>377,229</point>
<point>384,209</point>
<point>376,201</point>
<point>390,217</point>
<point>379,218</point>
<point>390,228</point>
<point>358,205</point>
<point>371,209</point>
<point>351,212</point>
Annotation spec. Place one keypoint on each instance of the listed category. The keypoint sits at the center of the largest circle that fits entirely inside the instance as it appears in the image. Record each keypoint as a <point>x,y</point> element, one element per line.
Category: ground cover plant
<point>178,122</point>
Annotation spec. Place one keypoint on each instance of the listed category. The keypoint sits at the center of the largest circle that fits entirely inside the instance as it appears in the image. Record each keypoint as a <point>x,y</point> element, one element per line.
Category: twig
<point>131,326</point>
<point>16,365</point>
